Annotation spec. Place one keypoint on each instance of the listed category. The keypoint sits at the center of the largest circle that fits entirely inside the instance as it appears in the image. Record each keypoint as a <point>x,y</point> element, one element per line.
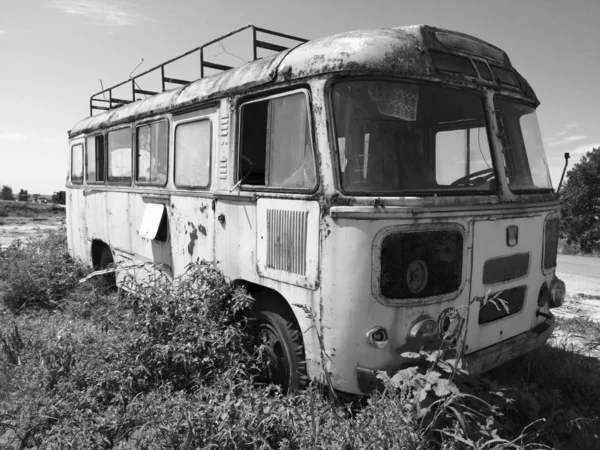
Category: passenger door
<point>194,143</point>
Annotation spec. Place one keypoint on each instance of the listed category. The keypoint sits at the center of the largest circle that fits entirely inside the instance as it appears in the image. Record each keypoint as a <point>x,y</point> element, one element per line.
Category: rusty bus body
<point>419,186</point>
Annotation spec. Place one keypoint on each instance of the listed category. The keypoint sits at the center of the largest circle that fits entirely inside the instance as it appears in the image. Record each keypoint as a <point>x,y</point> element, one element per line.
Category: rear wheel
<point>283,353</point>
<point>106,258</point>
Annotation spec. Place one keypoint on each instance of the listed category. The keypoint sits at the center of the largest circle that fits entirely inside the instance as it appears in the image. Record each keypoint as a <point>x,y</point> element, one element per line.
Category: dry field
<point>20,220</point>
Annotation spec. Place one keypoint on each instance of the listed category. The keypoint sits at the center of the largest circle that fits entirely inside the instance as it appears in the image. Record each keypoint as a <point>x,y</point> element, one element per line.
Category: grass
<point>82,366</point>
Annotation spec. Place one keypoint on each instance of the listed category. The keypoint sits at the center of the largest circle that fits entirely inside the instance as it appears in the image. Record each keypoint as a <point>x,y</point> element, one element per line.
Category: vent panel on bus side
<point>288,241</point>
<point>421,264</point>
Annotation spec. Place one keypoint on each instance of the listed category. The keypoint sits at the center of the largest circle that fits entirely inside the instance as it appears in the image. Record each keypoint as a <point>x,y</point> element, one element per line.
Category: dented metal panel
<point>387,51</point>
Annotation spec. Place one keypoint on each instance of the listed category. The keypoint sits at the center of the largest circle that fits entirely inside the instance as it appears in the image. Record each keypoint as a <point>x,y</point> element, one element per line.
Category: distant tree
<point>23,195</point>
<point>7,193</point>
<point>59,197</point>
<point>580,221</point>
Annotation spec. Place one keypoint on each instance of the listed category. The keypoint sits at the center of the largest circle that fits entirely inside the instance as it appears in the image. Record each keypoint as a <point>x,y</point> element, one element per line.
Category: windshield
<point>398,137</point>
<point>522,146</point>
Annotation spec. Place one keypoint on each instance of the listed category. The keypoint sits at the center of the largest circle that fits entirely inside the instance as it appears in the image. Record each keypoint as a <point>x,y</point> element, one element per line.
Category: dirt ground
<point>24,221</point>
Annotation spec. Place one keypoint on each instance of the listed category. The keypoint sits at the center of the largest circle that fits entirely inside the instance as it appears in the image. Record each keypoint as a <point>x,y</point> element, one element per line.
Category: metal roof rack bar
<point>136,90</point>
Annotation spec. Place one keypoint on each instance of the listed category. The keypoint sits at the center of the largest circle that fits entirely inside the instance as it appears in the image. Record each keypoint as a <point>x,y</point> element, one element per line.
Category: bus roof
<point>396,52</point>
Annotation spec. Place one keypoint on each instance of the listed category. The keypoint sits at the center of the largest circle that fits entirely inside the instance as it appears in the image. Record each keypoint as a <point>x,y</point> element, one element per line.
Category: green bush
<point>38,272</point>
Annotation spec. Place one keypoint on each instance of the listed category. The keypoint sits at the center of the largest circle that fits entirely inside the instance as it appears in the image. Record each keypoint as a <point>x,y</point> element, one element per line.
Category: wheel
<point>106,258</point>
<point>283,353</point>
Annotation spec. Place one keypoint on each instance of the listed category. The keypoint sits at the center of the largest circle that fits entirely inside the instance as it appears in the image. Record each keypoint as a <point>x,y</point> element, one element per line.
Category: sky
<point>54,54</point>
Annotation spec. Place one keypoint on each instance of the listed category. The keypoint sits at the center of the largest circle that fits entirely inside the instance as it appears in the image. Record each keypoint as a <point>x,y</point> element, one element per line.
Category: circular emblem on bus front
<point>416,276</point>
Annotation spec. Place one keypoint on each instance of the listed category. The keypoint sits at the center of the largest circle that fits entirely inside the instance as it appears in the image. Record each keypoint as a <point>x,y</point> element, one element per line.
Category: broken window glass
<point>276,144</point>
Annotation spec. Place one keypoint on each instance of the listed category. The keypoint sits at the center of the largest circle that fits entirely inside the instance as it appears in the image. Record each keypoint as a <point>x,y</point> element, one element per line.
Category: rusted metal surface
<point>396,52</point>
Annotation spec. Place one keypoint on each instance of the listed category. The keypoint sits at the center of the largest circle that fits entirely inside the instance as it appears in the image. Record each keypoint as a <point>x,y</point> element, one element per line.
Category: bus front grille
<point>286,240</point>
<point>420,264</point>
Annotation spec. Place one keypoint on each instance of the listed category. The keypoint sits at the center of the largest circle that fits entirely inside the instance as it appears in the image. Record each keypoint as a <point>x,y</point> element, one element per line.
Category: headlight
<point>425,330</point>
<point>558,290</point>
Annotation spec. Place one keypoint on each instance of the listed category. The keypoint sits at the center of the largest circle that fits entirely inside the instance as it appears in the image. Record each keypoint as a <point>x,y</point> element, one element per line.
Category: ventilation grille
<point>286,240</point>
<point>550,242</point>
<point>421,264</point>
<point>506,304</point>
<point>505,268</point>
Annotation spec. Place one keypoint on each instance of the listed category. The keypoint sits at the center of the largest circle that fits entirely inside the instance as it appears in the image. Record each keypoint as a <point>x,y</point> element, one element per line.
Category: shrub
<point>38,272</point>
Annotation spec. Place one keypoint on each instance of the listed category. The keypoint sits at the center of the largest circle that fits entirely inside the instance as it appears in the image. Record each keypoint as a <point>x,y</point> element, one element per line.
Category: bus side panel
<point>76,232</point>
<point>191,229</point>
<point>96,213</point>
<point>235,239</point>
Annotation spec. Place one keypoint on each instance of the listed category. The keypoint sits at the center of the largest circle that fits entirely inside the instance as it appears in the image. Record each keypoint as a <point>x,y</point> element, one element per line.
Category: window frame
<point>132,177</point>
<point>135,149</point>
<point>265,96</point>
<point>82,145</point>
<point>105,169</point>
<point>335,152</point>
<point>207,118</point>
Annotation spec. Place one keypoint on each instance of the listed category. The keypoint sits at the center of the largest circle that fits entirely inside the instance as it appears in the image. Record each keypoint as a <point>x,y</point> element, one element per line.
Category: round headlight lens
<point>425,330</point>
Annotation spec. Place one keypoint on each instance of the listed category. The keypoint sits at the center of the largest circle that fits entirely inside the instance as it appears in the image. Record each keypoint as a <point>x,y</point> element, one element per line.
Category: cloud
<point>113,13</point>
<point>12,136</point>
<point>566,139</point>
<point>583,149</point>
<point>51,140</point>
<point>564,136</point>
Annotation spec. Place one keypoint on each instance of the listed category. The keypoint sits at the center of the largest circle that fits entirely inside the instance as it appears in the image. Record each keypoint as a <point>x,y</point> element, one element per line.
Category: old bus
<point>384,179</point>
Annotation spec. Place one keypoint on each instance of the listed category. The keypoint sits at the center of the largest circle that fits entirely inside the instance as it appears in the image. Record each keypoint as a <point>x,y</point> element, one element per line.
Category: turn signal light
<point>377,337</point>
<point>558,291</point>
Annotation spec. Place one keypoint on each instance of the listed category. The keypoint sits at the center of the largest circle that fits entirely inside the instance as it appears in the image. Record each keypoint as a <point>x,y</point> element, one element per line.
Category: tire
<point>283,352</point>
<point>106,258</point>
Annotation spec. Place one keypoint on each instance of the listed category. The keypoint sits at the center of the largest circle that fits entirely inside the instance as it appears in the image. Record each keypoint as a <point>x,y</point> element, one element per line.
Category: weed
<point>38,272</point>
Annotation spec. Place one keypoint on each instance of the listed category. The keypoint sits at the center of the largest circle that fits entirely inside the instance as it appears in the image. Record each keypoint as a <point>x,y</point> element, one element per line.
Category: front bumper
<point>497,354</point>
<point>482,360</point>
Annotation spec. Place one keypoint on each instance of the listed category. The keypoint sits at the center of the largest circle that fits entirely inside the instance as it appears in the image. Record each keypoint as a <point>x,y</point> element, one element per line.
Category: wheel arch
<point>269,299</point>
<point>97,248</point>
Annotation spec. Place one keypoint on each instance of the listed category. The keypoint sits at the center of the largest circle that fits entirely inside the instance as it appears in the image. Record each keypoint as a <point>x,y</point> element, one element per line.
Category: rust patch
<point>202,229</point>
<point>193,239</point>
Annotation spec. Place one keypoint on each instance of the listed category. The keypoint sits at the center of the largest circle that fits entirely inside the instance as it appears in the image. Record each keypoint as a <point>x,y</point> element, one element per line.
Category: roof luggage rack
<point>99,101</point>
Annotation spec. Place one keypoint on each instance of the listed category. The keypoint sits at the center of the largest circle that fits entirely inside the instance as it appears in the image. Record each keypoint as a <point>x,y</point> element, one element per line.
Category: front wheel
<point>283,353</point>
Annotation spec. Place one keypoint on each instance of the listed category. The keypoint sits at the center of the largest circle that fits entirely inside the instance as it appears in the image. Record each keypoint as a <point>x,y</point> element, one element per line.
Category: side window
<point>275,144</point>
<point>119,156</point>
<point>151,158</point>
<point>77,164</point>
<point>95,159</point>
<point>192,154</point>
